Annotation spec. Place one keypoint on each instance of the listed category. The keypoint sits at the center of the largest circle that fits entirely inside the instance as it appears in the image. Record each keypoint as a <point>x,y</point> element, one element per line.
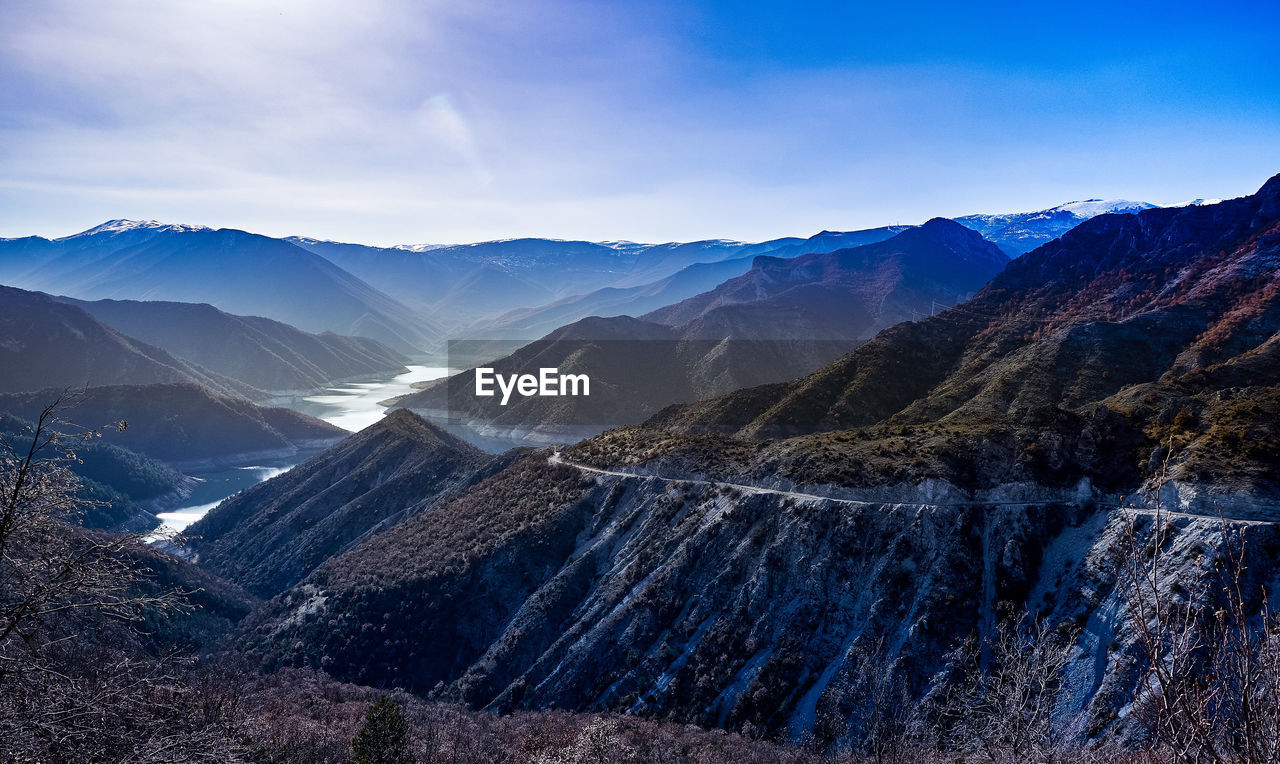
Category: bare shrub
<point>1001,708</point>
<point>1209,688</point>
<point>75,682</point>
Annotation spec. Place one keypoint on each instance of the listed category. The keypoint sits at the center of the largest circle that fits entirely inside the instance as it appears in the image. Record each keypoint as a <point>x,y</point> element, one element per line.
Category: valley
<point>639,383</point>
<point>351,405</point>
<point>824,466</point>
<point>731,562</point>
<point>216,485</point>
<point>354,405</point>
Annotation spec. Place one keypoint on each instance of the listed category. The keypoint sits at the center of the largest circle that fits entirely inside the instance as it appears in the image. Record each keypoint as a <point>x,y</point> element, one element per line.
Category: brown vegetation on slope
<point>1074,362</point>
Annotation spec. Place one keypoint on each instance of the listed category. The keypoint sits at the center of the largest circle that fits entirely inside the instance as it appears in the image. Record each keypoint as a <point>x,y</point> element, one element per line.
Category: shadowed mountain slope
<point>184,424</point>
<point>44,343</point>
<point>126,488</point>
<point>266,354</point>
<point>238,272</point>
<point>270,536</point>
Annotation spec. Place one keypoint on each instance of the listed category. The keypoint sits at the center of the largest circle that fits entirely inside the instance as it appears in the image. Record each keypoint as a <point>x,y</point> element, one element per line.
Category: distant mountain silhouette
<point>45,343</point>
<point>1020,232</point>
<point>238,272</point>
<point>530,323</point>
<point>780,319</point>
<point>461,284</point>
<point>261,352</point>
<point>467,286</point>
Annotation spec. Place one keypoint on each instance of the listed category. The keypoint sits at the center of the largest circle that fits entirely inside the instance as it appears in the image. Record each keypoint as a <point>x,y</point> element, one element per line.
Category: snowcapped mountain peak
<point>122,225</point>
<point>1089,208</point>
<point>620,245</point>
<point>1020,232</point>
<point>419,247</point>
<point>1195,203</point>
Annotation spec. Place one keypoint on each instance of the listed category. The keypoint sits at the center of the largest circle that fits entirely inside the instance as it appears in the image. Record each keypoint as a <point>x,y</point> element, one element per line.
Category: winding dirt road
<point>556,458</point>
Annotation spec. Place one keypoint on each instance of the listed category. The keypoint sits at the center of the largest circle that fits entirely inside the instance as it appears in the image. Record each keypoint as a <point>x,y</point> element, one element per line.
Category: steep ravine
<point>713,604</point>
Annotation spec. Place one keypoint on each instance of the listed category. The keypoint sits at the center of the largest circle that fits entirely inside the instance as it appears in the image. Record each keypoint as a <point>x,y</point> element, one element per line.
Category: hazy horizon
<point>444,244</point>
<point>406,123</point>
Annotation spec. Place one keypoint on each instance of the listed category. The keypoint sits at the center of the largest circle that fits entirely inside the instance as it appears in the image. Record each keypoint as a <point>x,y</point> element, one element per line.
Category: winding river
<point>352,405</point>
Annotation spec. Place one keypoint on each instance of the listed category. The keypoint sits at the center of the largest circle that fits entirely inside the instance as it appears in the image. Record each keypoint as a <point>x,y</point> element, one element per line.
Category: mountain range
<point>267,354</point>
<point>782,317</point>
<point>733,562</point>
<point>412,298</point>
<point>1104,337</point>
<point>934,436</point>
<point>525,288</point>
<point>233,270</point>
<point>621,299</point>
<point>1020,232</point>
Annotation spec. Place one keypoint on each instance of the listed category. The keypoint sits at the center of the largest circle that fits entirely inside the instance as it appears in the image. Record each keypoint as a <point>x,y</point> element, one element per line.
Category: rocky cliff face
<point>549,586</point>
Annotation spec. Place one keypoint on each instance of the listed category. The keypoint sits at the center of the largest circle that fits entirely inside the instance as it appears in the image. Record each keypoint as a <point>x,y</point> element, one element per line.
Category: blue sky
<point>398,121</point>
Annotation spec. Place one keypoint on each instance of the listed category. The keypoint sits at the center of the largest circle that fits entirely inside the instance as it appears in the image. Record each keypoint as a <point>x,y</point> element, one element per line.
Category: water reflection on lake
<point>354,406</point>
<point>351,406</point>
<point>217,485</point>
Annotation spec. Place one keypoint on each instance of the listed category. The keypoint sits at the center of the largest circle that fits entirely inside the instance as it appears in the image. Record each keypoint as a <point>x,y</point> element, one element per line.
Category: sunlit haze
<point>407,122</point>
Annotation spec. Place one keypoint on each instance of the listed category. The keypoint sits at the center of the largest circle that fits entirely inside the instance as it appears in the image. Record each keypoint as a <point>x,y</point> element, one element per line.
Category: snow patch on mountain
<point>420,247</point>
<point>1195,203</point>
<point>1020,232</point>
<point>122,225</point>
<point>1093,207</point>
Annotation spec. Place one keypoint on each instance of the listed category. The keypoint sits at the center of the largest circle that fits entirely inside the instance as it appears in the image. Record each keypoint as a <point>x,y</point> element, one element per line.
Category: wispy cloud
<point>396,120</point>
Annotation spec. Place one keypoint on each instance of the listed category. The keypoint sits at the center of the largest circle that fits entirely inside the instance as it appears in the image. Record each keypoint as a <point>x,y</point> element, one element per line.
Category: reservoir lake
<point>350,405</point>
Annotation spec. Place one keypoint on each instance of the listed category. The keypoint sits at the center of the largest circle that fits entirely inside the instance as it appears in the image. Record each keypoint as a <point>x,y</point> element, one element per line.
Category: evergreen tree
<point>384,738</point>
